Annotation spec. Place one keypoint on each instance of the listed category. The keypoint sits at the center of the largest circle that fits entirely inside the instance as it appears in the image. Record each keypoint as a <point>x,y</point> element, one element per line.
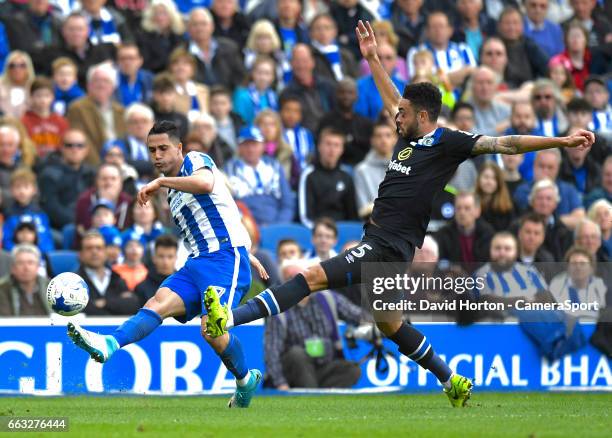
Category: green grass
<point>420,415</point>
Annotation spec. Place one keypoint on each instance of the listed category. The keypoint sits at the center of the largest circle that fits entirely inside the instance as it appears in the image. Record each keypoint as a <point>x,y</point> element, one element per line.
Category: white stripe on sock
<point>265,304</point>
<point>418,348</point>
<point>271,295</point>
<point>423,355</point>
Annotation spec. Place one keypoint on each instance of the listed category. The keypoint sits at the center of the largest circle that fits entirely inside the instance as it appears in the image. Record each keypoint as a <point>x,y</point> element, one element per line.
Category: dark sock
<point>137,327</point>
<point>233,358</point>
<point>272,301</point>
<point>414,344</point>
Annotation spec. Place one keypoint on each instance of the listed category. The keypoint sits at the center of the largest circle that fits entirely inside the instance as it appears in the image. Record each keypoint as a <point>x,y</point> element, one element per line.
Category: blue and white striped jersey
<point>210,221</point>
<point>520,281</point>
<point>455,57</point>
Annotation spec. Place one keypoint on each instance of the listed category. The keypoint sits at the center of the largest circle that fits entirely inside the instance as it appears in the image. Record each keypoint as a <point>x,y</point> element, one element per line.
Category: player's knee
<point>156,303</point>
<point>315,277</point>
<point>389,328</point>
<point>163,303</point>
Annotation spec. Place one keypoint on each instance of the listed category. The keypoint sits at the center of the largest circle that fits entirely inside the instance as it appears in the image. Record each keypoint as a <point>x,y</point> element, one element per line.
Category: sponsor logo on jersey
<point>404,154</point>
<point>398,167</point>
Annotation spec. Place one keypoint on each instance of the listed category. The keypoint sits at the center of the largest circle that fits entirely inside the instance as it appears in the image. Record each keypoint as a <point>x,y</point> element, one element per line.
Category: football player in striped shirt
<point>209,222</point>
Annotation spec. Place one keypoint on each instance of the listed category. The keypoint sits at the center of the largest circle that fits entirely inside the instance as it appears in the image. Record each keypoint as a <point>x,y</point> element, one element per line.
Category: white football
<point>67,294</point>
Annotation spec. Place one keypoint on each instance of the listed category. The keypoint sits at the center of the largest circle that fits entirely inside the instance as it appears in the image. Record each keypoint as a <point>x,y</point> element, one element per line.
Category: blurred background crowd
<point>82,83</point>
<point>276,92</point>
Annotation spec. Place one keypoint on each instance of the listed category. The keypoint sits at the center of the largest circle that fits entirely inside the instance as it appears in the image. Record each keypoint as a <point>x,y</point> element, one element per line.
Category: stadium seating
<point>347,231</point>
<point>272,234</point>
<point>63,261</point>
<point>69,234</point>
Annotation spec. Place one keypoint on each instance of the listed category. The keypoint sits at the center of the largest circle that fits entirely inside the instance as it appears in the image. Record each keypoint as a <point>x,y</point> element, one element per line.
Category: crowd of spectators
<point>276,92</point>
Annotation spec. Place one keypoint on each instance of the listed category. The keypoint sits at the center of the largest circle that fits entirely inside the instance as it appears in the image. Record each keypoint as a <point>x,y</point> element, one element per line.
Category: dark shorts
<point>346,268</point>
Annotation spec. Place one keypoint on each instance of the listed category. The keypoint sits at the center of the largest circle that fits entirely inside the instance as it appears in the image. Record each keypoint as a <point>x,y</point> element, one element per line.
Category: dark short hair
<point>327,222</point>
<point>579,105</point>
<point>533,218</point>
<point>91,234</point>
<point>461,106</point>
<point>331,130</point>
<point>284,242</point>
<point>508,10</point>
<point>163,82</point>
<point>128,45</point>
<point>438,12</point>
<point>166,241</point>
<point>41,83</point>
<point>575,249</point>
<point>424,97</point>
<point>320,15</point>
<point>166,127</point>
<point>219,89</point>
<point>289,97</point>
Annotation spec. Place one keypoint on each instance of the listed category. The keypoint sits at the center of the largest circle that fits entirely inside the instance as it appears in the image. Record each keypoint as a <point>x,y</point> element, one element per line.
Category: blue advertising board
<point>36,357</point>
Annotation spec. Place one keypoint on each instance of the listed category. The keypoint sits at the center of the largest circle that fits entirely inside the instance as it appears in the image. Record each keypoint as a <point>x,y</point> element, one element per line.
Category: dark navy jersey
<point>418,170</point>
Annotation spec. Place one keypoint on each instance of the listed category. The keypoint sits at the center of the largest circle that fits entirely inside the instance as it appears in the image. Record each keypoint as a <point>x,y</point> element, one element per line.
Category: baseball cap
<point>102,203</point>
<point>249,133</point>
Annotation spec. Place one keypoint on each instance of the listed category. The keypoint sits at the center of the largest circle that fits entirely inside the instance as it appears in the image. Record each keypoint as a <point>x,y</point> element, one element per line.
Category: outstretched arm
<point>519,144</point>
<point>367,44</point>
<point>201,181</point>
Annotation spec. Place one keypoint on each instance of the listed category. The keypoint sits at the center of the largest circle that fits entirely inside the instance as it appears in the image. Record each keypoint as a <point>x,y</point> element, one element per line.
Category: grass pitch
<point>514,414</point>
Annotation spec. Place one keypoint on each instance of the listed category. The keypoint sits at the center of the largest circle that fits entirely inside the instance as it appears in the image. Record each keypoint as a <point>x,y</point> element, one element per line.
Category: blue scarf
<point>130,93</point>
<point>103,30</point>
<point>555,127</point>
<point>332,54</point>
<point>602,121</point>
<point>289,39</point>
<point>262,100</point>
<point>302,144</point>
<point>63,98</point>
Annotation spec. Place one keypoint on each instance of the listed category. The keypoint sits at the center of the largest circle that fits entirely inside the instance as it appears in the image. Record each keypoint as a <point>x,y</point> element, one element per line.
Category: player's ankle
<point>245,380</point>
<point>447,384</point>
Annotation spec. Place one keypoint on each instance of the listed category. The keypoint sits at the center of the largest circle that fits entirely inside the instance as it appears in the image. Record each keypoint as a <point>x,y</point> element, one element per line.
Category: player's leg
<point>339,271</point>
<point>165,303</point>
<point>277,299</point>
<point>414,344</point>
<point>228,273</point>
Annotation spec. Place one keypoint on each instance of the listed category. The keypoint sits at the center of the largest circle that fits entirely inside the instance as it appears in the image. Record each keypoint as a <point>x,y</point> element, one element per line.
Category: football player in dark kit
<point>424,160</point>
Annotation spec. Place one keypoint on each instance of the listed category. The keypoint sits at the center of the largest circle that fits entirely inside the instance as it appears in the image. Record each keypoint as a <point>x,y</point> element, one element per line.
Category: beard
<point>501,265</point>
<point>411,132</point>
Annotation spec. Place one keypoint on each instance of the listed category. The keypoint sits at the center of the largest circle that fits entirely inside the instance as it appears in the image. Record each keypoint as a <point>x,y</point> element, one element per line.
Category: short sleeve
<point>195,161</point>
<point>460,143</point>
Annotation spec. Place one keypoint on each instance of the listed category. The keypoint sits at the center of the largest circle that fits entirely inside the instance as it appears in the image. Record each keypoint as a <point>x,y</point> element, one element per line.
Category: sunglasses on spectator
<point>74,145</point>
<point>494,53</point>
<point>543,97</point>
<point>17,65</point>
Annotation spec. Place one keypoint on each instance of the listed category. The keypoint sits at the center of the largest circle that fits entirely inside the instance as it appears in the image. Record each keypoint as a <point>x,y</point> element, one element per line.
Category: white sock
<point>447,384</point>
<point>230,320</point>
<point>244,380</point>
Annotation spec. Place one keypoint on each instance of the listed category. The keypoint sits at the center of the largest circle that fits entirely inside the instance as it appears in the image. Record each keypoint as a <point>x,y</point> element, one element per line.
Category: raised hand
<point>366,38</point>
<point>581,139</point>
